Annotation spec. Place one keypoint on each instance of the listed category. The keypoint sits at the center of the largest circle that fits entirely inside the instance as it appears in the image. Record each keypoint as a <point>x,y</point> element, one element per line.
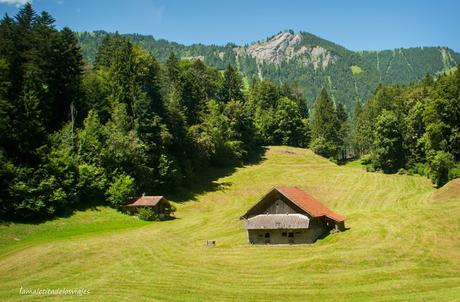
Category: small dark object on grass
<point>210,243</point>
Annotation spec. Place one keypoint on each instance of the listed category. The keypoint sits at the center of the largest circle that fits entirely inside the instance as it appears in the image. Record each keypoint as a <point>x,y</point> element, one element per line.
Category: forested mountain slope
<point>304,58</point>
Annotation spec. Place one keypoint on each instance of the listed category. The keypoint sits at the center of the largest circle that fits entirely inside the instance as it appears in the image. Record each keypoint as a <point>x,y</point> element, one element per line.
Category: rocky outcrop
<point>287,46</point>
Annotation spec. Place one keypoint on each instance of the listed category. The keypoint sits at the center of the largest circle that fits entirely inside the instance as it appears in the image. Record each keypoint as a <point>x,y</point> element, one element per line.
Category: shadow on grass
<point>205,181</point>
<point>64,213</point>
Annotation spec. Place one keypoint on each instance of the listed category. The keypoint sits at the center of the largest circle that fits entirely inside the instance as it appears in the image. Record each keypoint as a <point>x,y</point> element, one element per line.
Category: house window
<point>291,235</point>
<point>284,234</point>
<point>267,235</point>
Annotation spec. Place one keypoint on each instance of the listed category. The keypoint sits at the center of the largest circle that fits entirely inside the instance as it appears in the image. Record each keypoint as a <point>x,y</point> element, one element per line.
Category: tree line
<point>407,129</point>
<point>398,66</point>
<point>412,129</point>
<point>75,134</point>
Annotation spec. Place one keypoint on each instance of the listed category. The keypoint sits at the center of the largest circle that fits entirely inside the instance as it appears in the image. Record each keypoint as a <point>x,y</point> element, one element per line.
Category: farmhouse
<point>159,204</point>
<point>288,215</point>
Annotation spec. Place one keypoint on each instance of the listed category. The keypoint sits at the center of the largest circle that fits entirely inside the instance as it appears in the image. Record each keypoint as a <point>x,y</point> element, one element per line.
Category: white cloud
<point>17,2</point>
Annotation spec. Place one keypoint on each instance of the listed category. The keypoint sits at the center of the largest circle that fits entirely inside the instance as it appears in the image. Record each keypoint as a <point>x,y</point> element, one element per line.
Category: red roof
<point>308,203</point>
<point>146,201</point>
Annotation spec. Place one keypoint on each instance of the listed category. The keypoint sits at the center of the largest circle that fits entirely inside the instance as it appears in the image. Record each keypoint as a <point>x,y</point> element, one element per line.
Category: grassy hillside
<point>403,243</point>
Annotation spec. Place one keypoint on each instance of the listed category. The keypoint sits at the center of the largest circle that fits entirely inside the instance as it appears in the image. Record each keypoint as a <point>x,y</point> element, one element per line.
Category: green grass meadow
<point>403,243</point>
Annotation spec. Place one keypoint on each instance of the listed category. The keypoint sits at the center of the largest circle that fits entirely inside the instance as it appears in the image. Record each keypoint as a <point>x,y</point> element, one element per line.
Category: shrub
<point>366,159</point>
<point>454,172</point>
<point>324,148</point>
<point>402,171</point>
<point>168,172</point>
<point>440,162</point>
<point>91,183</point>
<point>421,169</point>
<point>388,153</point>
<point>147,214</point>
<point>370,168</point>
<point>121,190</point>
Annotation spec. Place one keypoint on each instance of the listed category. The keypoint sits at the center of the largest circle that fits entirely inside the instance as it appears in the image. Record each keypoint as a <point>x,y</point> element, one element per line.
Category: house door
<point>267,238</point>
<point>291,237</point>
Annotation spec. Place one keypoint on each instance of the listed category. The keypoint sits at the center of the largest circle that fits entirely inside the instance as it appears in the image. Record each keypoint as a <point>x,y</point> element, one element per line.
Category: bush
<point>91,183</point>
<point>169,175</point>
<point>370,168</point>
<point>440,162</point>
<point>388,153</point>
<point>366,159</point>
<point>121,190</point>
<point>324,148</point>
<point>403,171</point>
<point>420,169</point>
<point>454,172</point>
<point>147,214</point>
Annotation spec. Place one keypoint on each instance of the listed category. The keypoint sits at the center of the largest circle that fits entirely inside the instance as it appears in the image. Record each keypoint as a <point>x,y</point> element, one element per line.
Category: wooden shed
<point>288,215</point>
<point>160,205</point>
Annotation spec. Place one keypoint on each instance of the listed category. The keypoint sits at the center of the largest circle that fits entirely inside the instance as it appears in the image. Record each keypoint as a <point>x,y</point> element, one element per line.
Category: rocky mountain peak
<point>287,46</point>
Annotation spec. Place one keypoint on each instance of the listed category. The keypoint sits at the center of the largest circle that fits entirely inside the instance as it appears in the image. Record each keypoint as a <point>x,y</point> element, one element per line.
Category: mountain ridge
<point>302,57</point>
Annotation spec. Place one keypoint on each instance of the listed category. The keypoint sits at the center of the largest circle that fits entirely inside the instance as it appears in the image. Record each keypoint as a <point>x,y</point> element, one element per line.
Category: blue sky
<point>355,24</point>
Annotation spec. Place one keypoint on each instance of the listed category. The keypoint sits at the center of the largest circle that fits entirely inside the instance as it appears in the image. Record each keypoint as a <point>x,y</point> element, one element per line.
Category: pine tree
<point>124,152</point>
<point>343,137</point>
<point>172,67</point>
<point>26,17</point>
<point>6,106</point>
<point>325,127</point>
<point>266,94</point>
<point>91,140</point>
<point>357,140</point>
<point>241,124</point>
<point>24,41</point>
<point>218,138</point>
<point>27,131</point>
<point>193,95</point>
<point>64,73</point>
<point>10,55</point>
<point>105,53</point>
<point>122,76</point>
<point>232,86</point>
<point>96,94</point>
<point>290,128</point>
<point>388,154</point>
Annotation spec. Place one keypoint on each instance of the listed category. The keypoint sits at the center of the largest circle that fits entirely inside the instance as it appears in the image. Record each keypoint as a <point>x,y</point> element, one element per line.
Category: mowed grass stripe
<point>401,245</point>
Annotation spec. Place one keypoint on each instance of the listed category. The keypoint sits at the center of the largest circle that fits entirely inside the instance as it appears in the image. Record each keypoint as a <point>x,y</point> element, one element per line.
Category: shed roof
<point>308,203</point>
<point>145,201</point>
<point>277,221</point>
<point>304,201</point>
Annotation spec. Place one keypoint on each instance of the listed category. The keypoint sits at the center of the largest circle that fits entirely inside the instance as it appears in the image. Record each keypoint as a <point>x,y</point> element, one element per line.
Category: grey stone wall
<point>299,236</point>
